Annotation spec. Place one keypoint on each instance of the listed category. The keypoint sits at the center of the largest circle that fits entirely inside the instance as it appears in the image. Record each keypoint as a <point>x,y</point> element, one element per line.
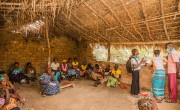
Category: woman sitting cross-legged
<point>16,74</point>
<point>6,102</point>
<point>30,72</point>
<point>115,77</point>
<point>83,68</point>
<point>97,74</point>
<point>72,73</point>
<point>64,69</point>
<point>6,84</point>
<point>107,72</point>
<point>49,85</point>
<point>89,71</point>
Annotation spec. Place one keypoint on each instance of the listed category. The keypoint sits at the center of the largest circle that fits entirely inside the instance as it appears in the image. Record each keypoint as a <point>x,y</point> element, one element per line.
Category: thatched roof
<point>100,20</point>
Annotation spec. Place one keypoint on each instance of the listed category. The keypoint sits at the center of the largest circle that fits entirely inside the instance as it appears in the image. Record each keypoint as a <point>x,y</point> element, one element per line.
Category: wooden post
<point>48,44</point>
<point>109,51</point>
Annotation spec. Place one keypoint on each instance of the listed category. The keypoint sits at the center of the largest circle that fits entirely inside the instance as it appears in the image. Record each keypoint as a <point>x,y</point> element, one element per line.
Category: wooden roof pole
<point>48,43</point>
<point>144,43</point>
<point>179,6</point>
<point>89,28</point>
<point>164,23</point>
<point>103,20</point>
<point>118,19</point>
<point>145,15</point>
<point>131,19</point>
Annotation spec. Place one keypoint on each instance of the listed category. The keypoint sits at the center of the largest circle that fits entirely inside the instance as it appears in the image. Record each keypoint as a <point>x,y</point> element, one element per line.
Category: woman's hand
<point>142,61</point>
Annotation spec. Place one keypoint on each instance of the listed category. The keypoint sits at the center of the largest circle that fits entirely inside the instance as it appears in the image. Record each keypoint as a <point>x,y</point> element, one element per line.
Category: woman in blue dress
<point>49,85</point>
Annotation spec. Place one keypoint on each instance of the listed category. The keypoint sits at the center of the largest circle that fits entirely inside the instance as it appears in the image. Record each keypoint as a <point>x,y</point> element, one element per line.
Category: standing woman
<point>136,66</point>
<point>158,81</point>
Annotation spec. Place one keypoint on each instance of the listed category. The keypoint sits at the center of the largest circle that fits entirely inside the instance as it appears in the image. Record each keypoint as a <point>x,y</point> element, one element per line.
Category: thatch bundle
<point>108,21</point>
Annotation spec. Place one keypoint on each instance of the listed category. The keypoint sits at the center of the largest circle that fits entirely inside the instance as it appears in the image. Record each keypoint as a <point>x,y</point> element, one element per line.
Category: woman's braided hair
<point>145,104</point>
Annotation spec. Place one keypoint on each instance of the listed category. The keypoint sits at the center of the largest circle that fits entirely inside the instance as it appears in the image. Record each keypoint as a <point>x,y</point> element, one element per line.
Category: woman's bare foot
<point>22,101</point>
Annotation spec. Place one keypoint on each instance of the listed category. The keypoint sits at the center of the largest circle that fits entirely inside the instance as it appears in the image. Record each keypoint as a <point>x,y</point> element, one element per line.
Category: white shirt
<point>134,62</point>
<point>54,66</point>
<point>158,63</point>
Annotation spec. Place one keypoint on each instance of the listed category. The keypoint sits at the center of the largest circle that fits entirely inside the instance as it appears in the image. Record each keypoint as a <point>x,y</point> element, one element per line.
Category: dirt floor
<point>83,97</point>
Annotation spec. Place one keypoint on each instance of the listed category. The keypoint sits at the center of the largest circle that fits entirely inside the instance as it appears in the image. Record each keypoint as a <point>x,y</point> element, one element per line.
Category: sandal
<point>158,101</point>
<point>168,101</point>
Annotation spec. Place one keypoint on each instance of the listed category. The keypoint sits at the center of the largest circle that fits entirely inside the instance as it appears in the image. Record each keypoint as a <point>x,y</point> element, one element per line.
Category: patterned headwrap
<point>145,104</point>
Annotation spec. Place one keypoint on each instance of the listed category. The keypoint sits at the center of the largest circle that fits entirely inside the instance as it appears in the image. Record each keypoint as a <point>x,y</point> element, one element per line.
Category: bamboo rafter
<point>121,24</point>
<point>164,23</point>
<point>76,24</point>
<point>149,20</point>
<point>103,20</point>
<point>89,28</point>
<point>77,29</point>
<point>131,19</point>
<point>145,15</point>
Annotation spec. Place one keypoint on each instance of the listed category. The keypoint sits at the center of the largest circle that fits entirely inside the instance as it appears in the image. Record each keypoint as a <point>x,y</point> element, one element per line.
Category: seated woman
<point>114,79</point>
<point>97,74</point>
<point>48,83</point>
<point>69,63</point>
<point>5,83</point>
<point>75,65</point>
<point>64,69</point>
<point>7,102</point>
<point>83,68</point>
<point>30,72</point>
<point>89,71</point>
<point>55,68</point>
<point>107,72</point>
<point>71,74</point>
<point>16,74</point>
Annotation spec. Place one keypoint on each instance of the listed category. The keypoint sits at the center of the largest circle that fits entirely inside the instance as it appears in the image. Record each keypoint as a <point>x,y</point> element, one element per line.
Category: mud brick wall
<point>14,48</point>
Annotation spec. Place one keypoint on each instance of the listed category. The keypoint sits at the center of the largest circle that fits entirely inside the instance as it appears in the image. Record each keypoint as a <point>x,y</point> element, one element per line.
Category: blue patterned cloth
<point>72,72</point>
<point>49,89</point>
<point>158,83</point>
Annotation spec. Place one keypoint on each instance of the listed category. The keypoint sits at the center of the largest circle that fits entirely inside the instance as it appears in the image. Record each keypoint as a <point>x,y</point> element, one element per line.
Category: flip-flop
<point>168,101</point>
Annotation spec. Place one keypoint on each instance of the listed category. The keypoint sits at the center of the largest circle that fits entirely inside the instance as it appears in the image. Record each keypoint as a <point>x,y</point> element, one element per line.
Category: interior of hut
<point>89,54</point>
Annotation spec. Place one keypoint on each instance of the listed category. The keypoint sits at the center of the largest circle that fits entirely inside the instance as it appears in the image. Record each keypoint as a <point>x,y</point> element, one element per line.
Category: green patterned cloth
<point>112,82</point>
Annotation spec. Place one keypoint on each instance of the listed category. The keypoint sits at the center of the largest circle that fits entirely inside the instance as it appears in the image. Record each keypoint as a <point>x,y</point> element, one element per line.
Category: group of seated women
<point>50,81</point>
<point>71,70</point>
